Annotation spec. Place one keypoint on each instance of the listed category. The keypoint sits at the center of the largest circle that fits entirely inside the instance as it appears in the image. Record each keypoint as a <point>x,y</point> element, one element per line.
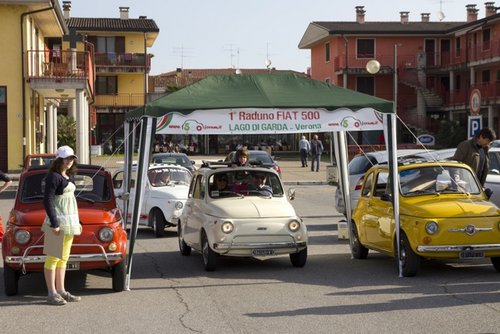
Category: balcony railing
<point>119,100</point>
<point>481,52</point>
<point>125,60</point>
<point>489,91</point>
<point>60,66</point>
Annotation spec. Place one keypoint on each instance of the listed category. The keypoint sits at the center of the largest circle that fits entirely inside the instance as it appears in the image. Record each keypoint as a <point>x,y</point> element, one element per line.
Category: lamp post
<point>373,66</point>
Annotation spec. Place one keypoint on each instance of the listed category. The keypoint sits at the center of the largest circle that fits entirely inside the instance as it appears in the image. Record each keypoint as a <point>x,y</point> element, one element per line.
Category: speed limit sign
<point>475,102</point>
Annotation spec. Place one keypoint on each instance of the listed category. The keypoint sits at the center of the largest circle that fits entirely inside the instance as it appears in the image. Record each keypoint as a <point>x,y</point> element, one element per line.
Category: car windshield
<point>167,176</point>
<point>40,161</point>
<point>239,183</point>
<point>259,156</point>
<point>437,179</point>
<point>90,187</point>
<point>178,159</point>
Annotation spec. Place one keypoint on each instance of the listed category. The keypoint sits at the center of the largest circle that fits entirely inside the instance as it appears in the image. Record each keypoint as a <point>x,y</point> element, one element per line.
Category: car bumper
<point>109,258</point>
<point>457,248</point>
<point>248,248</point>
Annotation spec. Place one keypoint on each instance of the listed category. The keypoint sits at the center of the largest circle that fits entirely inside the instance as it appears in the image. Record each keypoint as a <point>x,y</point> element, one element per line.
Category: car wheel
<point>495,261</point>
<point>10,278</point>
<point>158,222</point>
<point>357,249</point>
<point>410,260</point>
<point>209,256</point>
<point>299,259</point>
<point>118,274</point>
<point>183,247</point>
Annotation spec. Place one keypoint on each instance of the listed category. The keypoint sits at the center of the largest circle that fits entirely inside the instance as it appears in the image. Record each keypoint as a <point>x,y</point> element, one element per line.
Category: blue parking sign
<point>475,124</point>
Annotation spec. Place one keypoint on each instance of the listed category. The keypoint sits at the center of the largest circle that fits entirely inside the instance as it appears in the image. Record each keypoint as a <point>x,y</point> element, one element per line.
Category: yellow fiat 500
<point>444,213</point>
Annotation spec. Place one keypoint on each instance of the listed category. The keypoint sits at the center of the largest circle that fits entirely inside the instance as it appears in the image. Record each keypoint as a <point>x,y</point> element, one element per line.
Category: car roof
<point>78,167</point>
<point>211,167</point>
<point>383,156</point>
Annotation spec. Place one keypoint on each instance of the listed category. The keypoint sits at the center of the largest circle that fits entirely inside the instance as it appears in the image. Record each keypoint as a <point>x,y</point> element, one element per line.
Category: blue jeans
<point>315,157</point>
<point>303,157</point>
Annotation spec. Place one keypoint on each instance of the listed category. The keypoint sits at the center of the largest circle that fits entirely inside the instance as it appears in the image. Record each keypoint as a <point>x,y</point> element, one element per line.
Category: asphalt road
<point>331,294</point>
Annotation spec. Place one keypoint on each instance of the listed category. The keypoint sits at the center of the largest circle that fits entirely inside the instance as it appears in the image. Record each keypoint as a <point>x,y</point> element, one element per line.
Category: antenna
<point>440,13</point>
<point>181,52</point>
<point>231,49</point>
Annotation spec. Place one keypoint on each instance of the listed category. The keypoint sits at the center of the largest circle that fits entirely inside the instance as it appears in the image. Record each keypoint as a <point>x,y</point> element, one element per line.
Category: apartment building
<point>122,66</point>
<point>440,66</point>
<point>37,78</point>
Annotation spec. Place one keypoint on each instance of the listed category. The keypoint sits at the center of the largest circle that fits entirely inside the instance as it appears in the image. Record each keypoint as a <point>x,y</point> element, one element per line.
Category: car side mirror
<point>386,197</point>
<point>488,192</point>
<point>291,194</point>
<point>124,196</point>
<point>193,162</point>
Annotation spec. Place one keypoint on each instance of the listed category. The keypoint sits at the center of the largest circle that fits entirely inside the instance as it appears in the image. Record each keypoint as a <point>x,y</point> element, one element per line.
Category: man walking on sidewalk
<point>304,149</point>
<point>316,151</point>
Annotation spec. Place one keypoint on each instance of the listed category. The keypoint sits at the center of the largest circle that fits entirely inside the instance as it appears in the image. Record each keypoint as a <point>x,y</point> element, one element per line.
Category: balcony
<point>51,72</point>
<point>119,100</point>
<point>113,62</point>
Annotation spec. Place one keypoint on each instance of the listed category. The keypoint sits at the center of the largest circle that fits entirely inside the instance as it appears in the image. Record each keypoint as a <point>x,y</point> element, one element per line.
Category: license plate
<point>263,252</point>
<point>469,254</point>
<point>73,266</point>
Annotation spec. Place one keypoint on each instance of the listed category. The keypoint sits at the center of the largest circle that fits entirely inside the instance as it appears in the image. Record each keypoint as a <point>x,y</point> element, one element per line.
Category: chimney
<point>425,17</point>
<point>404,17</point>
<point>143,17</point>
<point>360,14</point>
<point>66,9</point>
<point>471,13</point>
<point>124,13</point>
<point>489,9</point>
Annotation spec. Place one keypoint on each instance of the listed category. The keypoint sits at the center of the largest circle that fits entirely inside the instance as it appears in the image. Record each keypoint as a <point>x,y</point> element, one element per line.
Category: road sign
<point>474,125</point>
<point>475,102</point>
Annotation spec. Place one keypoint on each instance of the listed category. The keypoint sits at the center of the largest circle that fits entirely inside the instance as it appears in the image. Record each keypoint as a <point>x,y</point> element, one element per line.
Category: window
<point>365,48</point>
<point>367,188</point>
<point>106,85</point>
<point>199,188</point>
<point>327,52</point>
<point>381,184</point>
<point>365,85</point>
<point>485,76</point>
<point>457,47</point>
<point>486,39</point>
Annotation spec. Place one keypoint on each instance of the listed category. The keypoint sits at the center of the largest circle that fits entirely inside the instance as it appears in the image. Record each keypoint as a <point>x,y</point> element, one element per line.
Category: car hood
<point>169,192</point>
<point>251,207</point>
<point>450,207</point>
<point>87,216</point>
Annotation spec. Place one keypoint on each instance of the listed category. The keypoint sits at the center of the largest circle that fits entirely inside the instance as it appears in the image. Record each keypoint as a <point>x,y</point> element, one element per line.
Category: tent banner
<point>269,120</point>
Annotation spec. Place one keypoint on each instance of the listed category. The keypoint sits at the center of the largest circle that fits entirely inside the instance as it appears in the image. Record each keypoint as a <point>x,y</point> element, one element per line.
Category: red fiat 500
<point>102,244</point>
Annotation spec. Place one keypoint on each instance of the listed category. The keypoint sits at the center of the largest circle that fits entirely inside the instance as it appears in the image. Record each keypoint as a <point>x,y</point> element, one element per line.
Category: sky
<point>243,34</point>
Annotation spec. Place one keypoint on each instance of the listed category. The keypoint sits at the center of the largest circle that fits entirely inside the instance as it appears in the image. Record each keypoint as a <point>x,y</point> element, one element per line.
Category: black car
<point>257,156</point>
<point>180,159</point>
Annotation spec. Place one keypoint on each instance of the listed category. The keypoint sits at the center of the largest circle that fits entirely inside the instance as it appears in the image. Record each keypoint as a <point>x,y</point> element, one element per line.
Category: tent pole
<point>342,161</point>
<point>147,130</point>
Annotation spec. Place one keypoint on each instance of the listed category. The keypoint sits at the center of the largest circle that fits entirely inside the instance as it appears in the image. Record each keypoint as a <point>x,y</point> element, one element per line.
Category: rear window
<point>361,164</point>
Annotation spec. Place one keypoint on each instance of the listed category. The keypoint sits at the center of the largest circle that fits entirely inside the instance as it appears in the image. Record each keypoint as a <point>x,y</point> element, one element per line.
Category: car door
<point>119,189</point>
<point>194,212</point>
<point>378,218</point>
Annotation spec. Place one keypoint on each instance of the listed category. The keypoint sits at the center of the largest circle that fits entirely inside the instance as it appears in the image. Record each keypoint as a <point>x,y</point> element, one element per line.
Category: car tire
<point>118,274</point>
<point>495,261</point>
<point>410,260</point>
<point>209,256</point>
<point>183,247</point>
<point>157,221</point>
<point>10,279</point>
<point>299,259</point>
<point>358,251</point>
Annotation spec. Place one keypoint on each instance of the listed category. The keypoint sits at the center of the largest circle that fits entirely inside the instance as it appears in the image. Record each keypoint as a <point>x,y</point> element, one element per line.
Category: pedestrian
<point>61,224</point>
<point>316,151</point>
<point>304,148</point>
<point>474,152</point>
<point>242,157</point>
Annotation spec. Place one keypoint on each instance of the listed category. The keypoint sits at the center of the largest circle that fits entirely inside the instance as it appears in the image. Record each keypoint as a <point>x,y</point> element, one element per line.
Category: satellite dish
<point>440,16</point>
<point>373,66</point>
<point>238,71</point>
<point>268,62</point>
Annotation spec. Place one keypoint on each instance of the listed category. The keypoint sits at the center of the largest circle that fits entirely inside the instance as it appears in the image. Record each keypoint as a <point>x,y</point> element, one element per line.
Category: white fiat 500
<point>165,193</point>
<point>240,211</point>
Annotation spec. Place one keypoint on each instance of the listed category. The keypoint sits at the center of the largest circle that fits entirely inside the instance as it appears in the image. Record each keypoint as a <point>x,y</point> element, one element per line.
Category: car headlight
<point>227,227</point>
<point>106,234</point>
<point>294,226</point>
<point>178,205</point>
<point>431,227</point>
<point>22,237</point>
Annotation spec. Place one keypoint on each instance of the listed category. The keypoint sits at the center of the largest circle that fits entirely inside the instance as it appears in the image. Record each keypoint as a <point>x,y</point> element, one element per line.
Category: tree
<point>66,131</point>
